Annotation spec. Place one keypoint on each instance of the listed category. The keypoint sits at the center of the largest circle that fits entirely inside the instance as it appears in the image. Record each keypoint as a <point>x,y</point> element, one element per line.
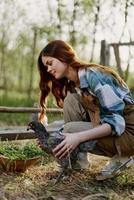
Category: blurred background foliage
<point>27,26</point>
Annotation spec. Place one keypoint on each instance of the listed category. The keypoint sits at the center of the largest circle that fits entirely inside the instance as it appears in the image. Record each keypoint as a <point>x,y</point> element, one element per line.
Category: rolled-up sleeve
<point>111,105</point>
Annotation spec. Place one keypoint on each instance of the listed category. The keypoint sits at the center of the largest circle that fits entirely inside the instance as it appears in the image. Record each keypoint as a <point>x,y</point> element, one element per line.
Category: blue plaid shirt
<point>111,95</point>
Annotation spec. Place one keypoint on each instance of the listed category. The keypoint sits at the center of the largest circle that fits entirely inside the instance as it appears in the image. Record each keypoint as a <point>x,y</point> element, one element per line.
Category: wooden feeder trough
<point>10,165</point>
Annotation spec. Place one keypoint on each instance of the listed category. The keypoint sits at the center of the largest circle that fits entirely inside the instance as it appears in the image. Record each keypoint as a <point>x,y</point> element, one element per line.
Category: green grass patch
<point>15,151</point>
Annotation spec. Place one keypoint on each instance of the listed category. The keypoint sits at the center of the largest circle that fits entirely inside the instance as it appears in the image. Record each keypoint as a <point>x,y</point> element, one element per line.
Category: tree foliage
<point>83,23</point>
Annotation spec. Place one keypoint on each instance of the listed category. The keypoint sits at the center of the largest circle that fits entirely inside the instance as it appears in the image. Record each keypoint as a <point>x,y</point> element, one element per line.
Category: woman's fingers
<point>66,152</point>
<point>66,146</point>
<point>58,147</point>
<point>61,152</point>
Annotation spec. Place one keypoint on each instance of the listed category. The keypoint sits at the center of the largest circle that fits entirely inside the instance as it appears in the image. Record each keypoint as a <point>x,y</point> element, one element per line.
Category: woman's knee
<point>73,127</point>
<point>73,109</point>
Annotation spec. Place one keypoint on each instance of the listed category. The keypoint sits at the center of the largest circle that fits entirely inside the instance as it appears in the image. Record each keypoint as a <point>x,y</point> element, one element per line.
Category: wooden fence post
<point>117,58</point>
<point>104,53</point>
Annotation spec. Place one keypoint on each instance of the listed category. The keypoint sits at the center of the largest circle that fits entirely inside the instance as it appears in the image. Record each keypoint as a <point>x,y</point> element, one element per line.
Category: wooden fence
<point>105,54</point>
<point>20,132</point>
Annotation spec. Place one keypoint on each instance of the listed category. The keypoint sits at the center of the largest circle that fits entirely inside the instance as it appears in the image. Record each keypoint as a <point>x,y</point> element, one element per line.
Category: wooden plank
<point>104,54</point>
<point>5,109</point>
<point>16,135</point>
<point>20,133</point>
<point>122,43</point>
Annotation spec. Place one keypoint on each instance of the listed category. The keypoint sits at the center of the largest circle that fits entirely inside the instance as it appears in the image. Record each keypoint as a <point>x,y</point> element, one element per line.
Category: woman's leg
<point>76,120</point>
<point>76,117</point>
<point>123,145</point>
<point>73,109</point>
<point>73,113</point>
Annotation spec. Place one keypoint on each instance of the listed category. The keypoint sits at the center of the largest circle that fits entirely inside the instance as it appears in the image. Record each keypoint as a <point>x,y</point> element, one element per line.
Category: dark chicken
<point>48,141</point>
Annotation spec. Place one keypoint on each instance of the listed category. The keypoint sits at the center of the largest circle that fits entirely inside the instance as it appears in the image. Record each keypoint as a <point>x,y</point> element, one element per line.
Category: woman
<point>97,105</point>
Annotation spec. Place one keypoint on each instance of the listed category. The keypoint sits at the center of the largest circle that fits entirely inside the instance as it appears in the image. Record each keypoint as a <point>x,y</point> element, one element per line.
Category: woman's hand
<point>70,142</point>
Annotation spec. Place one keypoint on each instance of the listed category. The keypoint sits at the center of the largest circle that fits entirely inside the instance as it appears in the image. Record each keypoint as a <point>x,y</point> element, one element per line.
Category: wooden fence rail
<point>28,110</point>
<point>20,132</point>
<point>16,134</point>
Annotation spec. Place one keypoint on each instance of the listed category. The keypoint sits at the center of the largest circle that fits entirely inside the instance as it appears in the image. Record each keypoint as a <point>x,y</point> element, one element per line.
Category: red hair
<point>65,53</point>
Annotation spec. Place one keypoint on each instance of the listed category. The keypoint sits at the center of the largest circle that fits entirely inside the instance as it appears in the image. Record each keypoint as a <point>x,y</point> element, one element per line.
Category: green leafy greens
<point>20,152</point>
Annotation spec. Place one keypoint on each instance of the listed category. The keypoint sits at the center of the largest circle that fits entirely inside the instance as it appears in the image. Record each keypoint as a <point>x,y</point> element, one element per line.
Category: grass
<point>38,183</point>
<point>21,151</point>
<point>21,100</point>
<point>14,100</point>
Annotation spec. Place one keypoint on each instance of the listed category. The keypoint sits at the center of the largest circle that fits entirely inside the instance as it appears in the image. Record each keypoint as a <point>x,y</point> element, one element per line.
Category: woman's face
<point>55,67</point>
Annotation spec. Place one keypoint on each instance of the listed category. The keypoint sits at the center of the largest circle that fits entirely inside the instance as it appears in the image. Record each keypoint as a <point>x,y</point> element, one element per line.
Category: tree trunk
<point>2,63</point>
<point>96,19</point>
<point>72,27</point>
<point>32,62</point>
<point>59,18</point>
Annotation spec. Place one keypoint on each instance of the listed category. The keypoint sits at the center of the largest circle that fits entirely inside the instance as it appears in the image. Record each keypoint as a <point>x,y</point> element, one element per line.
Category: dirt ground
<point>37,183</point>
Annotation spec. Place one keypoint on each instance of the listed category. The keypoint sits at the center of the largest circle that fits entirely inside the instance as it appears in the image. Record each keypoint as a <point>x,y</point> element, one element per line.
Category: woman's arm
<point>110,99</point>
<point>72,140</point>
<point>95,133</point>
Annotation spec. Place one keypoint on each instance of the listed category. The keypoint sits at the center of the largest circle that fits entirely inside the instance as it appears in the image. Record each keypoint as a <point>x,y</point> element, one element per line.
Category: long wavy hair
<point>59,88</point>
